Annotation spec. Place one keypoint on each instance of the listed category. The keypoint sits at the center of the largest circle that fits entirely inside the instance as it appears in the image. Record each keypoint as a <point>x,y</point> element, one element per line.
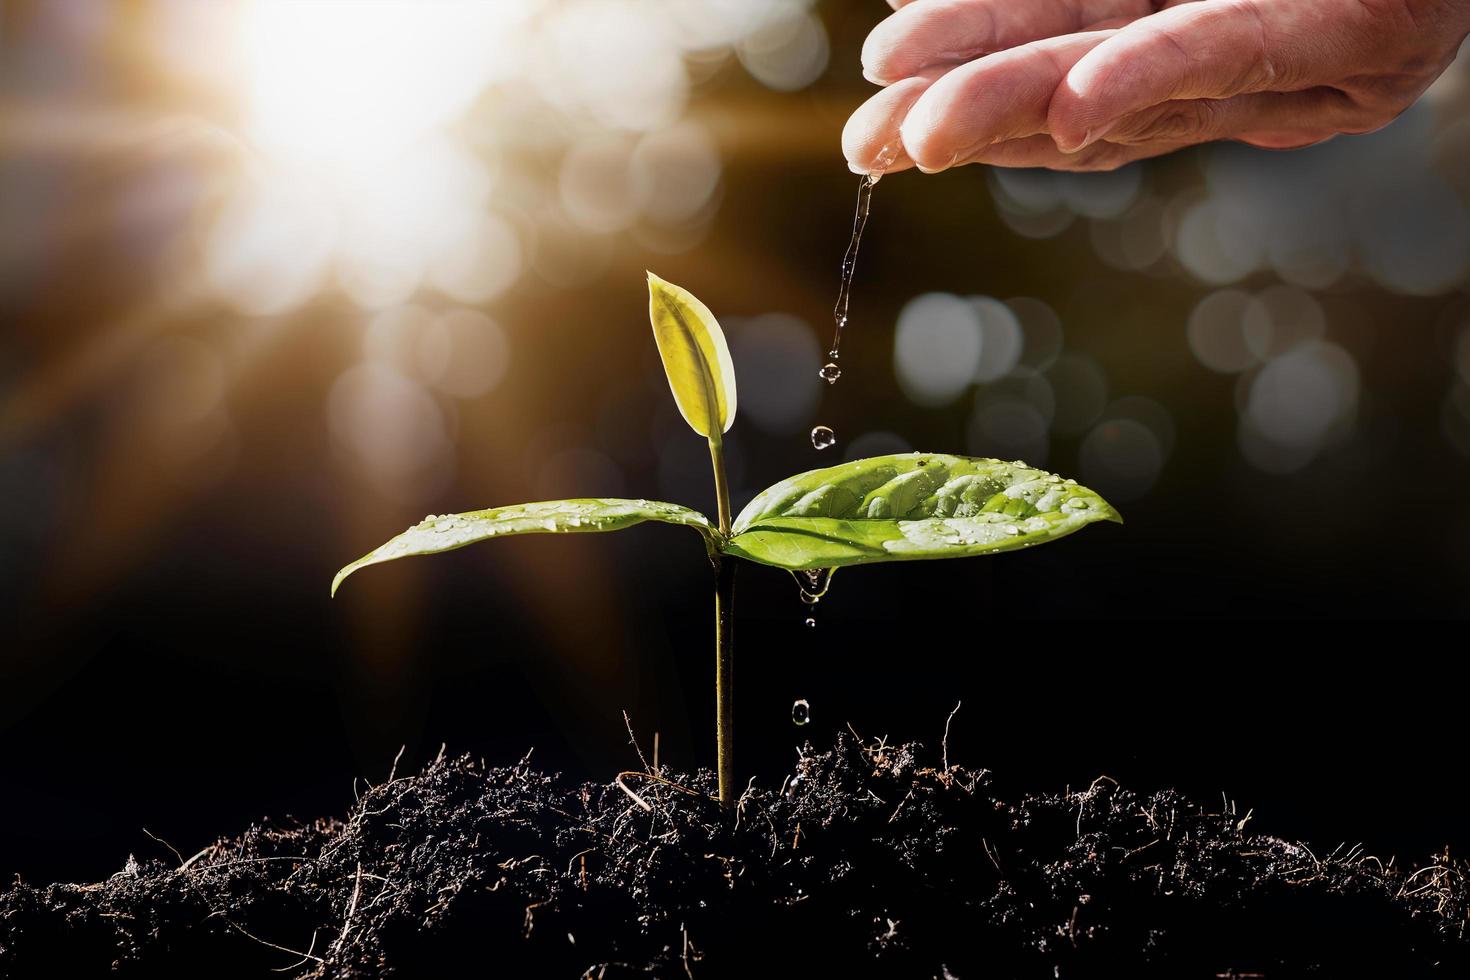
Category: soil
<point>871,860</point>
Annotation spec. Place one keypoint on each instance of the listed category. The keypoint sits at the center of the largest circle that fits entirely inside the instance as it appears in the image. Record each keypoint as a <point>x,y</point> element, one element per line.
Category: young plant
<point>888,508</point>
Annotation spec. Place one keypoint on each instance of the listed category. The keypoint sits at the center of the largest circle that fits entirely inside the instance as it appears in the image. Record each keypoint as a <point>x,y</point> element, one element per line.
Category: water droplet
<point>1011,529</point>
<point>813,583</point>
<point>801,712</point>
<point>922,462</point>
<point>1077,503</point>
<point>823,438</point>
<point>830,372</point>
<point>811,623</point>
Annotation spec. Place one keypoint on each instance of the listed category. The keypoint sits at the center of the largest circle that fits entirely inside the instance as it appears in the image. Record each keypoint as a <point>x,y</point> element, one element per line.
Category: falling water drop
<point>830,372</point>
<point>801,712</point>
<point>811,622</point>
<point>823,437</point>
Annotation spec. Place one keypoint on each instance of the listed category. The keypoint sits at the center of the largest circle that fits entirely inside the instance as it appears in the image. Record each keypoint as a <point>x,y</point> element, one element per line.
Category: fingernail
<point>925,170</point>
<point>1067,146</point>
<point>875,79</point>
<point>1088,138</point>
<point>860,171</point>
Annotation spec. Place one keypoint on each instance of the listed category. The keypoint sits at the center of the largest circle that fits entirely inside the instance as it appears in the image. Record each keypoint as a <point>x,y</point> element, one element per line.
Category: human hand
<point>1095,84</point>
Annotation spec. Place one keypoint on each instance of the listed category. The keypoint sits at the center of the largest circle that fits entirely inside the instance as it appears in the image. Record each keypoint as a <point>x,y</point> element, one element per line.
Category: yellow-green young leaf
<point>695,357</point>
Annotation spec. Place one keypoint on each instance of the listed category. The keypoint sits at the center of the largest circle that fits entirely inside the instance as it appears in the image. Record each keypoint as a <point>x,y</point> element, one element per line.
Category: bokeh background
<point>278,279</point>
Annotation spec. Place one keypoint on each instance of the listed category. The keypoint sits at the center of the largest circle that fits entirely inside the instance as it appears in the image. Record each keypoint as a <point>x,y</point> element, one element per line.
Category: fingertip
<point>933,131</point>
<point>1101,88</point>
<point>876,55</point>
<point>1072,116</point>
<point>874,125</point>
<point>924,147</point>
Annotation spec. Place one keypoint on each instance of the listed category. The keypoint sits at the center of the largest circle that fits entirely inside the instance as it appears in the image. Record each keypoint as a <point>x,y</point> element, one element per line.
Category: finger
<point>936,32</point>
<point>1277,120</point>
<point>1040,151</point>
<point>1212,50</point>
<point>874,126</point>
<point>999,97</point>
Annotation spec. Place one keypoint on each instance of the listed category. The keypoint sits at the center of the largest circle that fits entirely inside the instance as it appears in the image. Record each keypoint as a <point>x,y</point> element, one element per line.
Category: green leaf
<point>449,531</point>
<point>910,506</point>
<point>696,358</point>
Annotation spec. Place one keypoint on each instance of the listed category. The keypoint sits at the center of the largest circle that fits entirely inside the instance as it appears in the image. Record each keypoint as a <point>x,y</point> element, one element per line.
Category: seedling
<point>888,508</point>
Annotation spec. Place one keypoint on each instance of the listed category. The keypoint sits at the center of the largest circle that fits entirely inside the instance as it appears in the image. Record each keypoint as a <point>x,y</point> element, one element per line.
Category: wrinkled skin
<point>1095,84</point>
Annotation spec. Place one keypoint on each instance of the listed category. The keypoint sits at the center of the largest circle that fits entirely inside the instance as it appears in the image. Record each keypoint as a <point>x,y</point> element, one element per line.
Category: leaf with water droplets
<point>696,357</point>
<point>910,506</point>
<point>450,531</point>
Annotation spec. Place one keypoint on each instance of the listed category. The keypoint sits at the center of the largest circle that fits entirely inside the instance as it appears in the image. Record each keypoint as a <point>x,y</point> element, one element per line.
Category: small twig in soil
<point>663,782</point>
<point>266,942</point>
<point>636,798</point>
<point>896,810</point>
<point>165,844</point>
<point>574,857</point>
<point>688,947</point>
<point>351,905</point>
<point>190,863</point>
<point>530,918</point>
<point>633,741</point>
<point>990,854</point>
<point>944,745</point>
<point>301,962</point>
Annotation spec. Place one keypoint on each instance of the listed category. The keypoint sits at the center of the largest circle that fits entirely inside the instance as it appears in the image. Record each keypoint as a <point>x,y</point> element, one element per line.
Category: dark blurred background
<point>279,279</point>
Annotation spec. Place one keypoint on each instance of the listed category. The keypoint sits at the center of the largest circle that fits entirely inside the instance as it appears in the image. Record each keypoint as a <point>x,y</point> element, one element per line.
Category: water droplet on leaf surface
<point>823,437</point>
<point>801,712</point>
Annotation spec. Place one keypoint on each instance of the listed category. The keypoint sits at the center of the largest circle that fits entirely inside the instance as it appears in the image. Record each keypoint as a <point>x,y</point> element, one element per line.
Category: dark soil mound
<point>866,862</point>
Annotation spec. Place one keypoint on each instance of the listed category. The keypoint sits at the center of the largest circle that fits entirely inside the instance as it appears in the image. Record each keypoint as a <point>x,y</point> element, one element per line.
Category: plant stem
<point>722,486</point>
<point>725,677</point>
<point>724,635</point>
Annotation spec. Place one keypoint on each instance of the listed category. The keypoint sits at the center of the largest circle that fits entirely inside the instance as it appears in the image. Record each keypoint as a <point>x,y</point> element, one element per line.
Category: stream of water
<point>822,436</point>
